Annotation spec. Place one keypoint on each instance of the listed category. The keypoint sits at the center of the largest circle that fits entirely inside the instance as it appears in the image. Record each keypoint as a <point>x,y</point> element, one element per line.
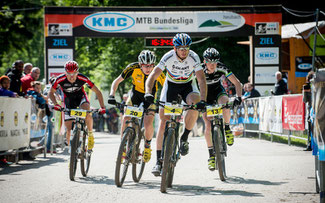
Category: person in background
<point>35,92</point>
<point>27,79</point>
<point>5,85</point>
<point>27,68</point>
<point>15,74</point>
<point>250,91</point>
<point>306,90</point>
<point>280,85</point>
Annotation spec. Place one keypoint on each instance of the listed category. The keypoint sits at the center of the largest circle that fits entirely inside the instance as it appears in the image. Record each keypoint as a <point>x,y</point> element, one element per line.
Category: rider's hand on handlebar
<point>102,110</point>
<point>200,105</point>
<point>149,99</point>
<point>57,107</point>
<point>111,100</point>
<point>237,101</point>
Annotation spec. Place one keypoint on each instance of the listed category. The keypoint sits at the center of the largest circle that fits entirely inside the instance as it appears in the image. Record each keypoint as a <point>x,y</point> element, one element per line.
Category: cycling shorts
<point>214,94</point>
<point>74,101</point>
<point>136,98</point>
<point>171,90</point>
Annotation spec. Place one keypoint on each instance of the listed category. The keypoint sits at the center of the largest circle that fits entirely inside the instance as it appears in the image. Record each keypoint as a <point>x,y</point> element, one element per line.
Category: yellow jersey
<point>139,78</point>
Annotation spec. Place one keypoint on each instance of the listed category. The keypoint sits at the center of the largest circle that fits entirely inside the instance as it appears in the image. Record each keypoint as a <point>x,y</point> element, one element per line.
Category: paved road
<point>258,171</point>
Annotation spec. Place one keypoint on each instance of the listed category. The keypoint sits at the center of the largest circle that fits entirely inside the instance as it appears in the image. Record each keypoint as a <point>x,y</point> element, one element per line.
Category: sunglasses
<point>147,65</point>
<point>72,73</point>
<point>211,61</point>
<point>183,48</point>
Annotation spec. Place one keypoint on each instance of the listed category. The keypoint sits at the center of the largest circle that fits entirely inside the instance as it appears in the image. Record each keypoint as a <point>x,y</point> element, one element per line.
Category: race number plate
<point>213,111</point>
<point>133,111</point>
<point>80,113</point>
<point>171,109</point>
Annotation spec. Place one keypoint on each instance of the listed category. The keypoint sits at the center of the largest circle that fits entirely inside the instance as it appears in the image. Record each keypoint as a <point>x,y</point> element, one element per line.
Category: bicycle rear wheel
<point>168,168</point>
<point>85,156</point>
<point>123,159</point>
<point>220,157</point>
<point>138,163</point>
<point>74,155</point>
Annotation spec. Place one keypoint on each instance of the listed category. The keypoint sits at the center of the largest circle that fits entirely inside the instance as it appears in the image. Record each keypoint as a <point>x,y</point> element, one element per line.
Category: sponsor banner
<point>58,57</point>
<point>14,123</point>
<point>38,121</point>
<point>251,115</point>
<point>266,56</point>
<point>265,74</point>
<point>237,115</point>
<point>54,72</point>
<point>276,114</point>
<point>140,22</point>
<point>264,112</point>
<point>267,28</point>
<point>293,115</point>
<point>57,29</point>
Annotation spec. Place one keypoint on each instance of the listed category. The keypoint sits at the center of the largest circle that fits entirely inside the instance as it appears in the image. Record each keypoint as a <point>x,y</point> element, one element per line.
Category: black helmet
<point>211,55</point>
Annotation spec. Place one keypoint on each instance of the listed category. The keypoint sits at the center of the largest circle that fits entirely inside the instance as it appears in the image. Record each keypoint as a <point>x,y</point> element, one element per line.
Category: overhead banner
<point>293,113</point>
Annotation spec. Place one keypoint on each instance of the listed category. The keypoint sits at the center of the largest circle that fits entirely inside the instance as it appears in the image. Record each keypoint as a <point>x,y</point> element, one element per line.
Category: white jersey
<point>178,71</point>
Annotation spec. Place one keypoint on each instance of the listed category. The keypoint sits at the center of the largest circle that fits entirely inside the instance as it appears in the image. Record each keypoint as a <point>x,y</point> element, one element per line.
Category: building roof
<point>306,29</point>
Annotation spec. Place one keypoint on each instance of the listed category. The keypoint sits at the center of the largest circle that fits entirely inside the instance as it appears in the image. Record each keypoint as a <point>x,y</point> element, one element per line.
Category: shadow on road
<point>95,180</point>
<point>240,180</point>
<point>26,165</point>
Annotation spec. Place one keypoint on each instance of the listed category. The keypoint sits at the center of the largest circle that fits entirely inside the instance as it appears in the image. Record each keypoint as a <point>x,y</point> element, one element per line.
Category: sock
<point>185,135</point>
<point>147,143</point>
<point>158,156</point>
<point>90,133</point>
<point>211,151</point>
<point>227,126</point>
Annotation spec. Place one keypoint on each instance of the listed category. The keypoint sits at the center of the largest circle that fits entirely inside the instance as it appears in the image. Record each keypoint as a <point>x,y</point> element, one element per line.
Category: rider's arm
<point>115,85</point>
<point>52,96</point>
<point>99,95</point>
<point>233,79</point>
<point>151,79</point>
<point>200,76</point>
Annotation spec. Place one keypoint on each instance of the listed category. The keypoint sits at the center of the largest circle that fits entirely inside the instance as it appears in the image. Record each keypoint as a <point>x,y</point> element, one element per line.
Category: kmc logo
<point>108,22</point>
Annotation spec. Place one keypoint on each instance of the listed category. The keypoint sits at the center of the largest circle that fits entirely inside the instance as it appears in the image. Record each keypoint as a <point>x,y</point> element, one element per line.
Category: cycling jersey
<point>72,88</point>
<point>215,88</point>
<point>178,71</point>
<point>139,78</point>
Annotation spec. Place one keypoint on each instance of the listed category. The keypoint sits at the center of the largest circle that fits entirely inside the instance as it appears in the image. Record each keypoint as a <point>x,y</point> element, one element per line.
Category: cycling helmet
<point>211,55</point>
<point>146,57</point>
<point>71,66</point>
<point>182,39</point>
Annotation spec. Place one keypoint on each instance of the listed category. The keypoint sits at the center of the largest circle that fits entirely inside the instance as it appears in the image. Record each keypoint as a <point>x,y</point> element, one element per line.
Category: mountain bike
<point>218,136</point>
<point>131,149</point>
<point>171,145</point>
<point>79,148</point>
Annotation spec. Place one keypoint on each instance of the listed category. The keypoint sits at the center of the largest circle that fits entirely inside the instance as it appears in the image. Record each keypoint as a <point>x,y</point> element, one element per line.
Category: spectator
<point>27,79</point>
<point>5,85</point>
<point>280,85</point>
<point>250,91</point>
<point>308,101</point>
<point>35,92</point>
<point>15,75</point>
<point>27,68</point>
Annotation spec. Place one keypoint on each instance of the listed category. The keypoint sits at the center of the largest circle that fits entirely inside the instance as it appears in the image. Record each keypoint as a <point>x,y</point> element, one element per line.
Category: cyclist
<point>214,70</point>
<point>71,83</point>
<point>180,64</point>
<point>139,72</point>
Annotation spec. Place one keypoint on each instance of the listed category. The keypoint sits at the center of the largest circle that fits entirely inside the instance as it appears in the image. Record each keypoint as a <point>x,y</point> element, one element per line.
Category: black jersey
<point>72,88</point>
<point>214,79</point>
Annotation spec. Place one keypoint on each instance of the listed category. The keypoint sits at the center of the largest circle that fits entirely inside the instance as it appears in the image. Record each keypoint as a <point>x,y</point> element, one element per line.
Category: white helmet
<point>146,57</point>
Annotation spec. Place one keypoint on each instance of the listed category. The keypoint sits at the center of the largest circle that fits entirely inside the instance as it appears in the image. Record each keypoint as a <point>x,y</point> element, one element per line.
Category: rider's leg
<point>148,133</point>
<point>189,120</point>
<point>226,117</point>
<point>68,126</point>
<point>124,125</point>
<point>89,123</point>
<point>208,139</point>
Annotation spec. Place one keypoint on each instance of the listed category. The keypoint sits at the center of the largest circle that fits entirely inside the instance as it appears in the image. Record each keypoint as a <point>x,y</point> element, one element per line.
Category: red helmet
<point>71,66</point>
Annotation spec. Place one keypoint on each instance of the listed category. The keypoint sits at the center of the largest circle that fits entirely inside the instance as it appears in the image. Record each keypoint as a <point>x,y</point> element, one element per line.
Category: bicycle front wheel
<point>74,155</point>
<point>220,157</point>
<point>85,157</point>
<point>138,163</point>
<point>123,159</point>
<point>168,168</point>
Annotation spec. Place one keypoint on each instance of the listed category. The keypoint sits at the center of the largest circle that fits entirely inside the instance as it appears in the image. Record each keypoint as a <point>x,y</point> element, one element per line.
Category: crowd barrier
<point>274,115</point>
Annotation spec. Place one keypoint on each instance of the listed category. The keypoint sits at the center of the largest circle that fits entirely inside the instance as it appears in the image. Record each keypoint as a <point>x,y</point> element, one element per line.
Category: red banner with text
<point>293,114</point>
